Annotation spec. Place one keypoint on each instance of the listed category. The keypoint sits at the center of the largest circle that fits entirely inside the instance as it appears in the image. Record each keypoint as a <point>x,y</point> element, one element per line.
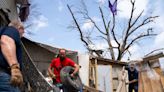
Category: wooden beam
<point>111,77</point>
<point>96,75</point>
<point>103,61</point>
<point>152,57</point>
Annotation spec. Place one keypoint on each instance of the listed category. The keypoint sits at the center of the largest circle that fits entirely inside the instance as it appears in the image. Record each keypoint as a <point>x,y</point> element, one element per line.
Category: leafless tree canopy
<point>132,33</point>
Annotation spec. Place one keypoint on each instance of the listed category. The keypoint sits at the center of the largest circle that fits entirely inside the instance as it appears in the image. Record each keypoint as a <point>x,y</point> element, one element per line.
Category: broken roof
<point>105,61</point>
<point>50,48</point>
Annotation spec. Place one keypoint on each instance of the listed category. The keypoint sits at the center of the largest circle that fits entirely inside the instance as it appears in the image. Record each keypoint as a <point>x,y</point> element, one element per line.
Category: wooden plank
<point>159,71</point>
<point>156,84</point>
<point>115,78</point>
<point>122,81</point>
<point>115,73</point>
<point>96,74</point>
<point>152,57</point>
<point>140,81</point>
<point>149,81</point>
<point>146,82</point>
<point>154,63</point>
<point>91,75</point>
<point>105,61</point>
<point>115,84</point>
<point>111,76</point>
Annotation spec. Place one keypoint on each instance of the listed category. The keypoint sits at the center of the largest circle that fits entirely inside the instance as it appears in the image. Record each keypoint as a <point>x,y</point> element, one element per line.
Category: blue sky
<point>51,26</point>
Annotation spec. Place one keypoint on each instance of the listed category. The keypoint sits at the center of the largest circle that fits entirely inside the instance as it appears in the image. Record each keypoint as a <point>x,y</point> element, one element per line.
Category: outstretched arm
<point>77,67</point>
<point>52,75</point>
<point>133,81</point>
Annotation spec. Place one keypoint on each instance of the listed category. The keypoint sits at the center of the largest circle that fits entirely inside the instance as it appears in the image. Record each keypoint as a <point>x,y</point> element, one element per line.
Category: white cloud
<point>103,45</point>
<point>158,10</point>
<point>114,43</point>
<point>35,25</point>
<point>40,22</point>
<point>98,46</point>
<point>124,7</point>
<point>96,19</point>
<point>159,41</point>
<point>135,51</point>
<point>88,24</point>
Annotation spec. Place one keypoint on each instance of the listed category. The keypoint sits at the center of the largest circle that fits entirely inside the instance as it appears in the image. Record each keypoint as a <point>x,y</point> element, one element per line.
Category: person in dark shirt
<point>11,57</point>
<point>133,77</point>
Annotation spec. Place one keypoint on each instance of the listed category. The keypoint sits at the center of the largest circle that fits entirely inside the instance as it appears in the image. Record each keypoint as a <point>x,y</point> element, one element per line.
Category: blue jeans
<point>5,85</point>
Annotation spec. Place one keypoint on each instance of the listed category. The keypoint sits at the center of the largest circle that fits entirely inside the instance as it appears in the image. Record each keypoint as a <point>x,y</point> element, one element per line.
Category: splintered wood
<point>149,79</point>
<point>122,81</point>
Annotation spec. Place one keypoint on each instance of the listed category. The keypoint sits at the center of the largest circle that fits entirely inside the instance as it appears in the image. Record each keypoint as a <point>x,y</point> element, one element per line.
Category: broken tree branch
<point>78,27</point>
<point>138,37</point>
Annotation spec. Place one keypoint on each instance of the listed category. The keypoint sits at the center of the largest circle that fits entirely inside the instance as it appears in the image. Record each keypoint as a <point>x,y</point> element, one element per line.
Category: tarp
<point>105,78</point>
<point>84,70</point>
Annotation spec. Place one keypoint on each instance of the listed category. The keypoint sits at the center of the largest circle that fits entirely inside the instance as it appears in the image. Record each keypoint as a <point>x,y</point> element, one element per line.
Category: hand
<point>16,76</point>
<point>72,75</point>
<point>53,76</point>
<point>24,12</point>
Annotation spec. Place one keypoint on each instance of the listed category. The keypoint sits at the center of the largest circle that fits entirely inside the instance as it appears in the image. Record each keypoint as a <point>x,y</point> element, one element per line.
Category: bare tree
<point>132,33</point>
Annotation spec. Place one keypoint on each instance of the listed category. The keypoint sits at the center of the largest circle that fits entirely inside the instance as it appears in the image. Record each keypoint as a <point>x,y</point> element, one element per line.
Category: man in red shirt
<point>58,63</point>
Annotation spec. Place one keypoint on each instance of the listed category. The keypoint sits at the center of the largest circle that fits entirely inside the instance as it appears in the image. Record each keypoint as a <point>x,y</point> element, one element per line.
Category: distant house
<point>43,54</point>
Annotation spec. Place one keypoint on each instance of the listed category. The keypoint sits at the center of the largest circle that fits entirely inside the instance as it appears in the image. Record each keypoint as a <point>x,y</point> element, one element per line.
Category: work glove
<point>16,76</point>
<point>24,12</point>
<point>52,76</point>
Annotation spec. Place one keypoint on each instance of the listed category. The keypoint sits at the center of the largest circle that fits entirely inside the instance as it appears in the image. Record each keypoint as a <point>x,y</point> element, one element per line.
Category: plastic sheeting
<point>84,70</point>
<point>105,78</point>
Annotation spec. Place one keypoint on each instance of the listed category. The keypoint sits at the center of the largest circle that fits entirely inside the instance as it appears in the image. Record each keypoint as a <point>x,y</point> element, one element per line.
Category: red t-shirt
<point>57,65</point>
